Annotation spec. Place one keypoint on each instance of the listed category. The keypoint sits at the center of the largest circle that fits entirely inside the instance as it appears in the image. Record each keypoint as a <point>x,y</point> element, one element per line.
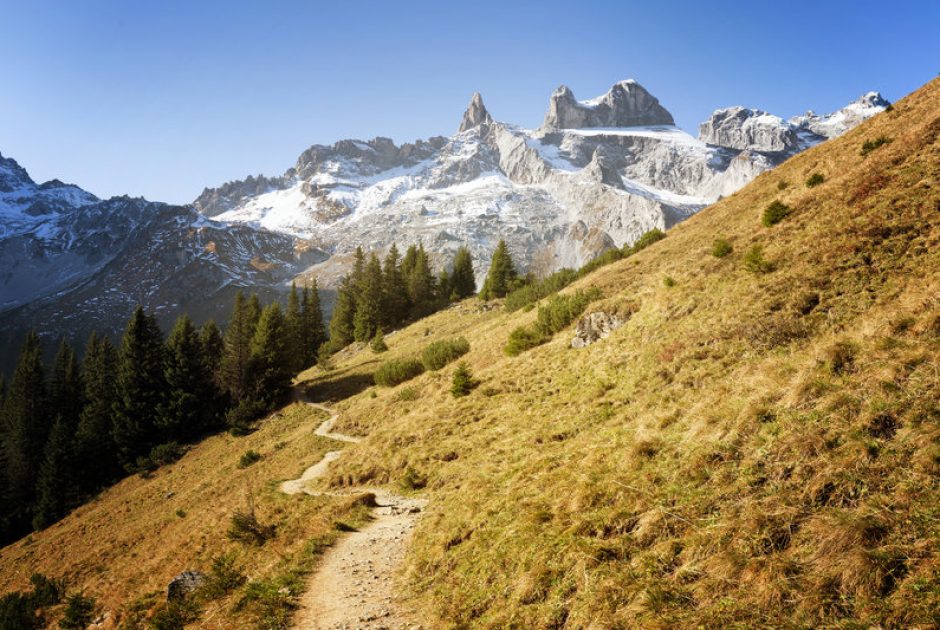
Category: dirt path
<point>354,585</point>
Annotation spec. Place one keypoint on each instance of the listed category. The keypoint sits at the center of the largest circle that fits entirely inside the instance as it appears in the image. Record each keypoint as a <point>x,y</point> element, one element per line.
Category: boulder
<point>595,326</point>
<point>184,584</point>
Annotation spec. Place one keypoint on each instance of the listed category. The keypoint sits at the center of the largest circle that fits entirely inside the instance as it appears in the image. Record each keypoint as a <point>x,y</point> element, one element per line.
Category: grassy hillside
<point>758,445</point>
<point>125,546</point>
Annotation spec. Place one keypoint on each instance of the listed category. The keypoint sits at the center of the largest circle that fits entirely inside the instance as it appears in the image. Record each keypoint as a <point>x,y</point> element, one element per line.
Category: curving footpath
<point>353,586</point>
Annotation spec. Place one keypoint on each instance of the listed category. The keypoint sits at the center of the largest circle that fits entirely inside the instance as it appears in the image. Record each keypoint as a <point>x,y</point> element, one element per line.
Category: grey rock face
<point>840,121</point>
<point>746,129</point>
<point>184,584</point>
<point>626,104</point>
<point>475,115</point>
<point>594,327</point>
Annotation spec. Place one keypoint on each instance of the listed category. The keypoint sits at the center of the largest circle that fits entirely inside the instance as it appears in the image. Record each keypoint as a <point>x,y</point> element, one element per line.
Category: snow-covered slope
<point>559,195</point>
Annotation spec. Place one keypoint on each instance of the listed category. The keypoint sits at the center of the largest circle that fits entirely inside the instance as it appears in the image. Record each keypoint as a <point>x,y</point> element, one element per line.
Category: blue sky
<point>163,98</point>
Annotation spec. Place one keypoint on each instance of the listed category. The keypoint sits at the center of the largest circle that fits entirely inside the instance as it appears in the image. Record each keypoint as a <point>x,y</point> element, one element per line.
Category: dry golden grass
<point>752,449</point>
<point>134,537</point>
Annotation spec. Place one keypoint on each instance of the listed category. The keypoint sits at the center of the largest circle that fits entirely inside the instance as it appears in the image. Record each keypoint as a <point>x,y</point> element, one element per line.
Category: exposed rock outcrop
<point>746,129</point>
<point>184,584</point>
<point>475,115</point>
<point>838,122</point>
<point>595,326</point>
<point>626,104</point>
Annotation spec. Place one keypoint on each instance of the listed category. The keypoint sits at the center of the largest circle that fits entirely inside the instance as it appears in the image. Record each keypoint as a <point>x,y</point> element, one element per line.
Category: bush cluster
<point>248,458</point>
<point>815,180</point>
<point>560,311</point>
<point>721,247</point>
<point>440,353</point>
<point>397,371</point>
<point>755,262</point>
<point>775,213</point>
<point>871,145</point>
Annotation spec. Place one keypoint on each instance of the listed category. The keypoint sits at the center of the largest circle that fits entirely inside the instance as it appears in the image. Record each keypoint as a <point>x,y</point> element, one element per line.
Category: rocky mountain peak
<point>475,115</point>
<point>625,104</point>
<point>872,99</point>
<point>745,129</point>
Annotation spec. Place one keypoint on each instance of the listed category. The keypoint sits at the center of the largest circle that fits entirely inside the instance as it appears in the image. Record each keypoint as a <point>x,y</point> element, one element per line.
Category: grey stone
<point>626,104</point>
<point>595,326</point>
<point>475,115</point>
<point>746,129</point>
<point>184,584</point>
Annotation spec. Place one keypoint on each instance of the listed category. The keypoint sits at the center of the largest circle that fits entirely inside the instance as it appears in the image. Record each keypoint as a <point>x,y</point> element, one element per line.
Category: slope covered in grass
<point>759,444</point>
<point>125,546</point>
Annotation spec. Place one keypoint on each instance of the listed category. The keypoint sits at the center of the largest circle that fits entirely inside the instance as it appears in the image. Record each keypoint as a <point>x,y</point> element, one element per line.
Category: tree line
<point>68,431</point>
<point>377,296</point>
<point>72,428</point>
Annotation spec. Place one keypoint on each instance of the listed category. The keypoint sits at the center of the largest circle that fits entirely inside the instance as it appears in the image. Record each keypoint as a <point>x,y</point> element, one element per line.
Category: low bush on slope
<point>750,450</point>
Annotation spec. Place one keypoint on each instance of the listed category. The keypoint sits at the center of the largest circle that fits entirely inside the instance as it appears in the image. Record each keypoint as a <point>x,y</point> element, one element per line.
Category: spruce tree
<point>295,331</point>
<point>369,306</point>
<point>501,275</point>
<point>54,478</point>
<point>238,334</point>
<point>421,284</point>
<point>359,269</point>
<point>313,332</point>
<point>343,320</point>
<point>254,311</point>
<point>95,454</point>
<point>444,288</point>
<point>212,347</point>
<point>187,405</point>
<point>462,279</point>
<point>66,392</point>
<point>409,261</point>
<point>270,369</point>
<point>141,384</point>
<point>25,429</point>
<point>394,290</point>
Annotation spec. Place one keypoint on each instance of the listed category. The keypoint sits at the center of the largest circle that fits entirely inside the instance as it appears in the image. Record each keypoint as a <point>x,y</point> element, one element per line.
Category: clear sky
<point>163,98</point>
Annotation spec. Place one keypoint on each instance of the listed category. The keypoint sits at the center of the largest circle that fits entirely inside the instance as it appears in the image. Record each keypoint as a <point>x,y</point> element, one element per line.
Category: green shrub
<point>245,528</point>
<point>378,344</point>
<point>535,291</point>
<point>669,282</point>
<point>754,261</point>
<point>18,610</point>
<point>783,184</point>
<point>248,458</point>
<point>560,311</point>
<point>721,248</point>
<point>79,612</point>
<point>224,577</point>
<point>407,394</point>
<point>815,180</point>
<point>608,257</point>
<point>645,241</point>
<point>775,213</point>
<point>397,371</point>
<point>271,601</point>
<point>871,145</point>
<point>440,353</point>
<point>839,358</point>
<point>462,383</point>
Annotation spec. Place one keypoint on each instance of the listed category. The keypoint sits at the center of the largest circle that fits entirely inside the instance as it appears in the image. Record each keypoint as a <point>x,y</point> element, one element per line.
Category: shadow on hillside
<point>337,386</point>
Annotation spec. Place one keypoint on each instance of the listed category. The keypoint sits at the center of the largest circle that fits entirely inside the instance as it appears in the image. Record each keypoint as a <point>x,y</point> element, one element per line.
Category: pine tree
<point>344,313</point>
<point>369,301</point>
<point>378,344</point>
<point>270,369</point>
<point>421,284</point>
<point>462,279</point>
<point>187,405</point>
<point>394,290</point>
<point>313,332</point>
<point>462,382</point>
<point>95,454</point>
<point>359,269</point>
<point>295,334</point>
<point>66,392</point>
<point>141,384</point>
<point>408,262</point>
<point>212,346</point>
<point>54,478</point>
<point>254,311</point>
<point>444,288</point>
<point>238,334</point>
<point>501,275</point>
<point>25,429</point>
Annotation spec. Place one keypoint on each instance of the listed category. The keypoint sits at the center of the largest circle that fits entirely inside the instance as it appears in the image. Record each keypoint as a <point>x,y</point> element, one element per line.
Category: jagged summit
<point>475,115</point>
<point>626,104</point>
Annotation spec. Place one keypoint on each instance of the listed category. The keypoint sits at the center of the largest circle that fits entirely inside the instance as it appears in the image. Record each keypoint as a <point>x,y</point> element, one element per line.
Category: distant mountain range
<point>596,174</point>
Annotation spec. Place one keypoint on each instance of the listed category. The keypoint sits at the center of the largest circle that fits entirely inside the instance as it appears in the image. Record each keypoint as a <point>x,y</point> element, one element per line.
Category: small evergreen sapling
<point>462,383</point>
